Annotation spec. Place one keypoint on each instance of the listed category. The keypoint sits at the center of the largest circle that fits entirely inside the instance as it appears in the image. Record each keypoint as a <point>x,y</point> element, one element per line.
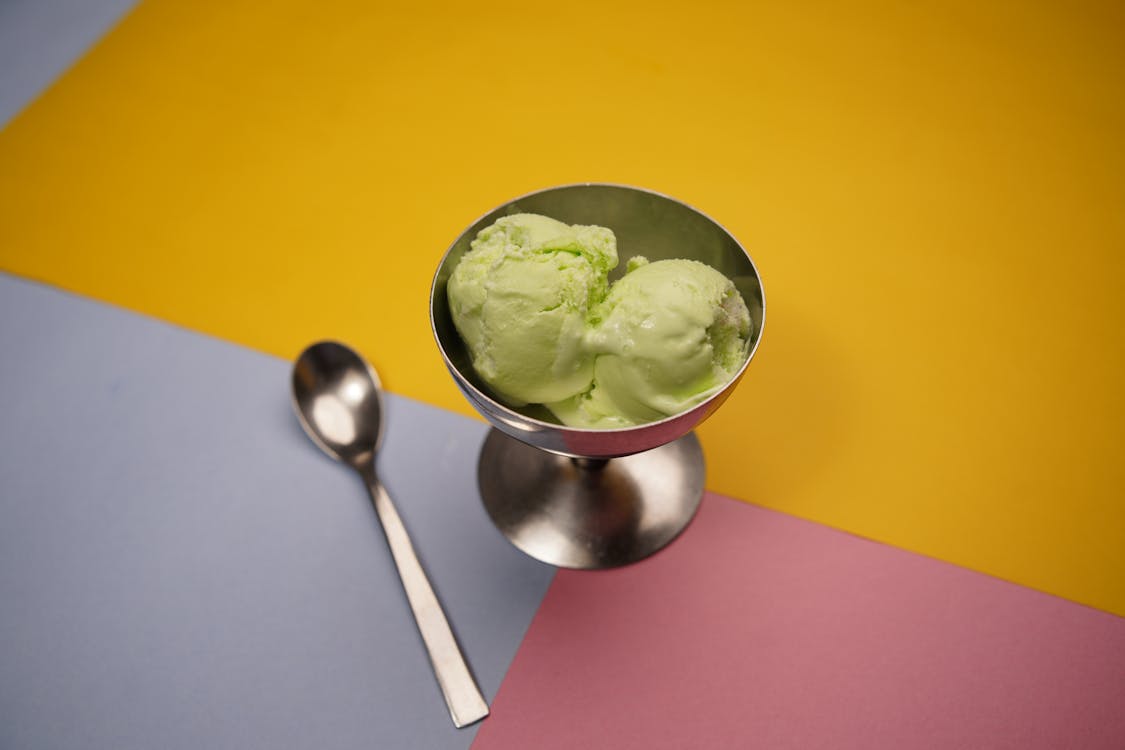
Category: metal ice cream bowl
<point>596,498</point>
<point>645,223</point>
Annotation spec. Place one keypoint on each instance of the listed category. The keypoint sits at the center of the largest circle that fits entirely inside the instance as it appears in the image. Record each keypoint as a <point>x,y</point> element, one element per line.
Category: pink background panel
<point>757,629</point>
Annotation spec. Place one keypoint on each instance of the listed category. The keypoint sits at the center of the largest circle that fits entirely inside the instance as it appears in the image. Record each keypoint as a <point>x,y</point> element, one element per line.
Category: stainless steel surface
<point>590,514</point>
<point>646,223</point>
<point>338,402</point>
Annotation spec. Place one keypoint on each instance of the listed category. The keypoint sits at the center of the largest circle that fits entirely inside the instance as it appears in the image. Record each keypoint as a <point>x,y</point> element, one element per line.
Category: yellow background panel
<point>933,193</point>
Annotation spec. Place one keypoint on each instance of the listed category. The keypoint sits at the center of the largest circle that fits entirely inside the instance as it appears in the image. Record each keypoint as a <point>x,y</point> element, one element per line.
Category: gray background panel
<point>180,567</point>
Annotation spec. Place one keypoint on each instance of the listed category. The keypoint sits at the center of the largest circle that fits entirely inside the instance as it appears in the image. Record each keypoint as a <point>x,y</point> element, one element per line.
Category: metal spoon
<point>338,401</point>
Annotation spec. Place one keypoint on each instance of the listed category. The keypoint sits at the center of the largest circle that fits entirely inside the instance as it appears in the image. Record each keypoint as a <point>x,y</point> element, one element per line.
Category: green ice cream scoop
<point>669,335</point>
<point>520,300</point>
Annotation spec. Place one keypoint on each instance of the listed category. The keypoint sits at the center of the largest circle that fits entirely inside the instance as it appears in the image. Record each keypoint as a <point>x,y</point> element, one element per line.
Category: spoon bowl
<point>339,403</point>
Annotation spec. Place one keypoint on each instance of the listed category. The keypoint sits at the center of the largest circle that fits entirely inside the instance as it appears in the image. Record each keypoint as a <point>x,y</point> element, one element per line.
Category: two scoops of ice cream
<point>542,323</point>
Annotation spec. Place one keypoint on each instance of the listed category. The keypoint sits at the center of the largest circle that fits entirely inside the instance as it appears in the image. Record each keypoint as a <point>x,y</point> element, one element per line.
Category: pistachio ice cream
<point>521,300</point>
<point>668,336</point>
<point>532,302</point>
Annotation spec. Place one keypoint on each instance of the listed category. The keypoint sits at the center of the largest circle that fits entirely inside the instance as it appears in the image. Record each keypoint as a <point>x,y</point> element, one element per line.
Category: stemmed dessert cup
<point>586,498</point>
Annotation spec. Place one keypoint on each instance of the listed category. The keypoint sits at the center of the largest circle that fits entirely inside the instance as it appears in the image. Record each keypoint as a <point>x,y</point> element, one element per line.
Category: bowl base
<point>590,514</point>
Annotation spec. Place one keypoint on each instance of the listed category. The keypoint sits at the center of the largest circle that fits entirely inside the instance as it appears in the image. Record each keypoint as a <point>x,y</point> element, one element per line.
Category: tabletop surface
<point>913,534</point>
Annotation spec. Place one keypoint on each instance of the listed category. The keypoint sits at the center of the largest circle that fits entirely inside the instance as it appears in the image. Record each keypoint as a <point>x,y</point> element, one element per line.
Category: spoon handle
<point>466,704</point>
